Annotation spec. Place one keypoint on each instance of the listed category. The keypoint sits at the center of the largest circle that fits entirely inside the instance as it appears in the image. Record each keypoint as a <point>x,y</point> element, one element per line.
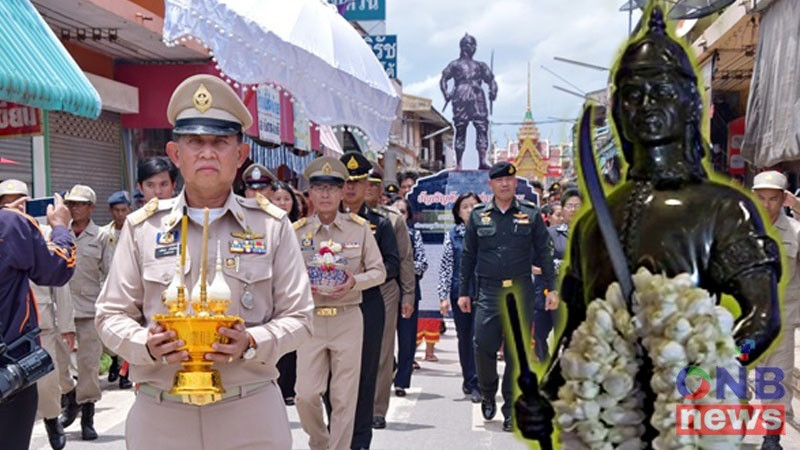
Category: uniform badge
<point>168,237</point>
<point>248,300</point>
<point>230,263</point>
<point>373,227</point>
<point>521,218</point>
<point>202,99</point>
<point>256,174</point>
<point>247,242</point>
<point>307,243</point>
<point>486,220</point>
<point>352,164</point>
<point>351,245</point>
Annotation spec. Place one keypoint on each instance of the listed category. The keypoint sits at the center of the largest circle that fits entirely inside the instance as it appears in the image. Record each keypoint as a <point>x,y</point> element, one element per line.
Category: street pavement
<point>434,415</point>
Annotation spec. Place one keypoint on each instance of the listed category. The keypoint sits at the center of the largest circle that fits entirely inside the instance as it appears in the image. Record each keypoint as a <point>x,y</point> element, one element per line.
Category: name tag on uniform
<point>170,250</point>
<point>521,218</point>
<point>522,221</point>
<point>351,245</point>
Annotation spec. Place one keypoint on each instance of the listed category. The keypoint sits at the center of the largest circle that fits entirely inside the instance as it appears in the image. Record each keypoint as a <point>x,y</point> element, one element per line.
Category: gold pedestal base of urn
<point>198,383</point>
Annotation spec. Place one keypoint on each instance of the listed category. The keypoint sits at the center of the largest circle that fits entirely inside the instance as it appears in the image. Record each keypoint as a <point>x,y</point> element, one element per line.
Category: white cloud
<point>518,31</point>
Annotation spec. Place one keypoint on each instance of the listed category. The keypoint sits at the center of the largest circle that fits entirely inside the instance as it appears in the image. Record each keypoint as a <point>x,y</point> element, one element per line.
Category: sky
<point>519,31</point>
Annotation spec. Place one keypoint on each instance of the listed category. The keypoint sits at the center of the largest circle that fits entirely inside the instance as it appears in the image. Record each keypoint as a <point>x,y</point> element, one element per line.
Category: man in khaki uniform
<point>394,295</point>
<point>93,259</point>
<point>269,287</point>
<point>335,346</point>
<point>56,320</point>
<point>770,189</point>
<point>119,205</point>
<point>257,180</point>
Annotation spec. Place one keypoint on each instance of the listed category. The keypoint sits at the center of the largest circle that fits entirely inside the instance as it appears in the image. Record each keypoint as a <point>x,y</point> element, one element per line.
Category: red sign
<point>736,162</point>
<point>19,120</point>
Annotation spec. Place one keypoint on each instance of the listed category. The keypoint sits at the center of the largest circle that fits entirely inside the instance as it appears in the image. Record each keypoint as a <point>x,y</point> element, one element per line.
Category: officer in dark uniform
<point>372,307</point>
<point>503,238</point>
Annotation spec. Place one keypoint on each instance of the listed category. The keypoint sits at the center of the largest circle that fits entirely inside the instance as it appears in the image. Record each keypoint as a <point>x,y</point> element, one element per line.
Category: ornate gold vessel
<point>197,382</point>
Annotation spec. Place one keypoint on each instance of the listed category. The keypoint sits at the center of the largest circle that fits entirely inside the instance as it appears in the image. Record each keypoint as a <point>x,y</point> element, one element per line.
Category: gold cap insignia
<point>511,170</point>
<point>326,169</point>
<point>11,186</point>
<point>352,164</point>
<point>202,99</point>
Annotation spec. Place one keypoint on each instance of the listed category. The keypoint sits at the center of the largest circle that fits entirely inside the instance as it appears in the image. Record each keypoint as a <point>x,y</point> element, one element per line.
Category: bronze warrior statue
<point>670,217</point>
<point>469,101</point>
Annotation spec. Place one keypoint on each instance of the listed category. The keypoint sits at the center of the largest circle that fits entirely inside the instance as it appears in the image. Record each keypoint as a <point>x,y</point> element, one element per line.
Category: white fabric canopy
<point>302,45</point>
<point>772,130</point>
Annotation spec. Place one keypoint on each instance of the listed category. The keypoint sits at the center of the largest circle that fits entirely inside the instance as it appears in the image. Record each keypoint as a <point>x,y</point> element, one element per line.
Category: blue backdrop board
<point>432,200</point>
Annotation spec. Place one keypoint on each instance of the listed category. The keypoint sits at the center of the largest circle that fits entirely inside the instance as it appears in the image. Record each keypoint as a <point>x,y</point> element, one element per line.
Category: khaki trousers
<point>781,355</point>
<point>335,349</point>
<point>257,421</point>
<point>383,387</point>
<point>61,358</point>
<point>49,406</point>
<point>90,349</point>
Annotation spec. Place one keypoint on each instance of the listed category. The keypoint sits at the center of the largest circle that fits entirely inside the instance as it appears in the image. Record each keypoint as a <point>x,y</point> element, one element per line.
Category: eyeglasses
<point>572,206</point>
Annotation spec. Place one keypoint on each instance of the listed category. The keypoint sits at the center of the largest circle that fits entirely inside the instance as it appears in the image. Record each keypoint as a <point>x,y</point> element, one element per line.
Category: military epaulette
<point>300,223</point>
<point>358,219</point>
<point>379,212</point>
<point>527,203</point>
<point>268,207</point>
<point>150,208</point>
<point>480,205</point>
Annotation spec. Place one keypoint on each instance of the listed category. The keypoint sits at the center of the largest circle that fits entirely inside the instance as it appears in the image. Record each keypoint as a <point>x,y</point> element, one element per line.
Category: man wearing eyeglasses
<point>335,346</point>
<point>93,260</point>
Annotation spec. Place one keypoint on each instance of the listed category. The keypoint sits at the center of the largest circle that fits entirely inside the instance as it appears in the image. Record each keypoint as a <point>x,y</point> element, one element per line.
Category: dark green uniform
<point>499,249</point>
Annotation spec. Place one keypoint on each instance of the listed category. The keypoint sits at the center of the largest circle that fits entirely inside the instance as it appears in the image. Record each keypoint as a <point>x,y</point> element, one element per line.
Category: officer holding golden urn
<point>258,292</point>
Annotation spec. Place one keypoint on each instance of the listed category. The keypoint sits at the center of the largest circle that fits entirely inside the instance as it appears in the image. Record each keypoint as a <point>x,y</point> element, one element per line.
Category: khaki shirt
<point>112,233</point>
<point>54,302</point>
<point>364,259</point>
<point>405,249</point>
<point>276,309</point>
<point>92,263</point>
<point>789,229</point>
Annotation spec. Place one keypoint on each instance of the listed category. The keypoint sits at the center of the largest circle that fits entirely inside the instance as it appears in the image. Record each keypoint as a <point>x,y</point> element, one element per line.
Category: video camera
<point>17,374</point>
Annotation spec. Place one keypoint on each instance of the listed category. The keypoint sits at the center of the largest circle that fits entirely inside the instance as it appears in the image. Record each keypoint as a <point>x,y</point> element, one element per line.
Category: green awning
<point>35,69</point>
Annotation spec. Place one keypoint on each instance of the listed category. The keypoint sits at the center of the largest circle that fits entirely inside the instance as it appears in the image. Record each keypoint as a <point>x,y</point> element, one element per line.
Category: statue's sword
<point>527,381</point>
<point>594,188</point>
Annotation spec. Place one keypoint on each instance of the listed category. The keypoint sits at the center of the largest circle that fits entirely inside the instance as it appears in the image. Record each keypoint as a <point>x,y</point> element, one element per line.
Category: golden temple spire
<point>529,85</point>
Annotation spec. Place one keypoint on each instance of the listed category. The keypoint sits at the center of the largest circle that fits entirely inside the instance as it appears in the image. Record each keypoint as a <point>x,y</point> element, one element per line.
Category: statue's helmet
<point>468,39</point>
<point>655,52</point>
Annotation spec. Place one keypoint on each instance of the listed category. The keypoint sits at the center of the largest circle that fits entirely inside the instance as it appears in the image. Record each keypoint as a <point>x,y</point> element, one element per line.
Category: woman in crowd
<point>407,328</point>
<point>448,293</point>
<point>283,197</point>
<point>543,319</point>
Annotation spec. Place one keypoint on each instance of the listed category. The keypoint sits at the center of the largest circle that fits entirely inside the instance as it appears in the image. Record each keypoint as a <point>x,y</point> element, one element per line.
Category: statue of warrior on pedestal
<point>469,101</point>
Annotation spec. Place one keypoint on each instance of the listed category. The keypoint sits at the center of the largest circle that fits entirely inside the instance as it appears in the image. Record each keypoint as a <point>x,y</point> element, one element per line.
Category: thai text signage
<point>269,114</point>
<point>385,48</point>
<point>19,120</point>
<point>361,9</point>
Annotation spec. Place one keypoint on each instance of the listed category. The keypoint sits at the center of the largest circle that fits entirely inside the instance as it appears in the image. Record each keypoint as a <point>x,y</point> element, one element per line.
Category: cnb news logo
<point>738,417</point>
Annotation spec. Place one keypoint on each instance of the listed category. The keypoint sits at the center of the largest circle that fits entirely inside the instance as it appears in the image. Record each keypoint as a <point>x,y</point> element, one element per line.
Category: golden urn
<point>197,382</point>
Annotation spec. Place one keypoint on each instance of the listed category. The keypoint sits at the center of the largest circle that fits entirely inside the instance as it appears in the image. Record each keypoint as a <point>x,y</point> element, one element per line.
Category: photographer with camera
<point>26,256</point>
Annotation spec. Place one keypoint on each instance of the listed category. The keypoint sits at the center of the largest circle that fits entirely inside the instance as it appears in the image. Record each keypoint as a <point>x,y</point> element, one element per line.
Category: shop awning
<point>36,69</point>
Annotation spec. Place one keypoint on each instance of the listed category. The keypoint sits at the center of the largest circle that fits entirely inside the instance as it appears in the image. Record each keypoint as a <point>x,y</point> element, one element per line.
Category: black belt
<point>504,282</point>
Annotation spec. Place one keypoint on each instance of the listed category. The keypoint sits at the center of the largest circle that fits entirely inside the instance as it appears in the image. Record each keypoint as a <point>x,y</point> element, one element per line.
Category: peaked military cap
<point>205,104</point>
<point>326,169</point>
<point>257,176</point>
<point>502,169</point>
<point>376,173</point>
<point>358,166</point>
<point>119,197</point>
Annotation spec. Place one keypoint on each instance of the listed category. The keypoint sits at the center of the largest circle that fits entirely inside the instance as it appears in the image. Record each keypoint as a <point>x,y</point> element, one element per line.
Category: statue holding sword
<point>469,100</point>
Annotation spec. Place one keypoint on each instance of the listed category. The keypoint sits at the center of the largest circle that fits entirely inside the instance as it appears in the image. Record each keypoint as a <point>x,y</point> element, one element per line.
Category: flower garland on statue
<point>600,405</point>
